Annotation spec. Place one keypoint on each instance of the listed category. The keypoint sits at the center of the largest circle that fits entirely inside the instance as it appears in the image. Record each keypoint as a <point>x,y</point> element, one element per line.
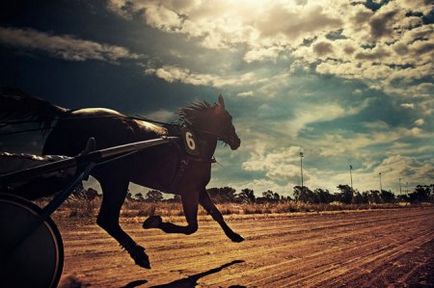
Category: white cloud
<point>172,74</point>
<point>245,94</point>
<point>320,113</point>
<point>262,54</point>
<point>419,122</point>
<point>387,49</point>
<point>407,105</point>
<point>63,46</point>
<point>161,115</point>
<point>277,164</point>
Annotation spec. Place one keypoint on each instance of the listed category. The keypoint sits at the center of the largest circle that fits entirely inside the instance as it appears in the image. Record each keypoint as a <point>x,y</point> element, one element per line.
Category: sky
<point>344,82</point>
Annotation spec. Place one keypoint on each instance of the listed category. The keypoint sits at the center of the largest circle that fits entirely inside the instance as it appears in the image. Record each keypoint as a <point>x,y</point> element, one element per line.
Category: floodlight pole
<point>381,185</point>
<point>400,190</point>
<point>301,169</point>
<point>351,177</point>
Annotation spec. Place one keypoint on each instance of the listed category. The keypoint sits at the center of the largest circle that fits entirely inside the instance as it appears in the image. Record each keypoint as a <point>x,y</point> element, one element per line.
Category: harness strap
<point>183,165</point>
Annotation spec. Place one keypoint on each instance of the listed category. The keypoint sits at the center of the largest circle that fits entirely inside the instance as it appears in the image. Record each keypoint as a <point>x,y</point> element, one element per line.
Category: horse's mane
<point>192,112</point>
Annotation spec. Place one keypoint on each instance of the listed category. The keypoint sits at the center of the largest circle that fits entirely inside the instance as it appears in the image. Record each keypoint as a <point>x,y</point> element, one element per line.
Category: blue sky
<point>348,82</point>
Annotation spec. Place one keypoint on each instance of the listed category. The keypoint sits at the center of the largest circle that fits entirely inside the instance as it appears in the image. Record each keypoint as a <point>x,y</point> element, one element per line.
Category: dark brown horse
<point>182,167</point>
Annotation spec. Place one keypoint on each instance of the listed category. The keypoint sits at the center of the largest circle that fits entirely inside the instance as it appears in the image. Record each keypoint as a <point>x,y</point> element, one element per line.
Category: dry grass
<point>85,209</point>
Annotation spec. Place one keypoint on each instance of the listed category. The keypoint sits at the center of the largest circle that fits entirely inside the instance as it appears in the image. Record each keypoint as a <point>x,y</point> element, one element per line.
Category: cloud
<point>407,105</point>
<point>322,48</point>
<point>228,23</point>
<point>66,47</point>
<point>264,53</point>
<point>419,122</point>
<point>320,113</point>
<point>277,164</point>
<point>307,20</point>
<point>176,74</point>
<point>245,94</point>
<point>381,23</point>
<point>161,115</point>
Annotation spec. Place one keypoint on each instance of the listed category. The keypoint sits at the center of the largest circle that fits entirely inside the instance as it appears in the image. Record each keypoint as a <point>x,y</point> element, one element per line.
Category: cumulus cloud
<point>320,113</point>
<point>388,49</point>
<point>184,75</point>
<point>278,164</point>
<point>63,46</point>
<point>262,54</point>
<point>245,94</point>
<point>407,105</point>
<point>389,45</point>
<point>161,115</point>
<point>419,122</point>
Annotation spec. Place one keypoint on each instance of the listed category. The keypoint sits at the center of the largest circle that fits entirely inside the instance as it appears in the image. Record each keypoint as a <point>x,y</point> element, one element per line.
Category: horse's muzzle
<point>234,143</point>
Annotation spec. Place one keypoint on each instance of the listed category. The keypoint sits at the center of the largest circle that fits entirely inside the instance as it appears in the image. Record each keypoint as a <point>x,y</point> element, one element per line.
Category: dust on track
<point>374,248</point>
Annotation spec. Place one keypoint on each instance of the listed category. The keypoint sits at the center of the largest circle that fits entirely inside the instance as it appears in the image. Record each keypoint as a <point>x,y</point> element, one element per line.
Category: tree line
<point>345,194</point>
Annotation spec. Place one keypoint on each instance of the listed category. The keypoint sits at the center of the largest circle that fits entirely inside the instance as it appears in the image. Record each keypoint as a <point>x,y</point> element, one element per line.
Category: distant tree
<point>129,196</point>
<point>304,194</point>
<point>154,196</point>
<point>357,198</point>
<point>365,197</point>
<point>420,194</point>
<point>346,194</point>
<point>246,196</point>
<point>387,196</point>
<point>222,195</point>
<point>374,196</point>
<point>322,196</point>
<point>276,197</point>
<point>268,195</point>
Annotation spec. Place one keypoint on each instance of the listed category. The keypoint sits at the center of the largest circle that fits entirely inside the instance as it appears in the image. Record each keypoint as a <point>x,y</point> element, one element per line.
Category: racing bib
<point>191,144</point>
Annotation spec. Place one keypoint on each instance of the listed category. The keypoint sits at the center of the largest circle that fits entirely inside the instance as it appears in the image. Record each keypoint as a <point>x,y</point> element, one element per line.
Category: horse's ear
<point>221,101</point>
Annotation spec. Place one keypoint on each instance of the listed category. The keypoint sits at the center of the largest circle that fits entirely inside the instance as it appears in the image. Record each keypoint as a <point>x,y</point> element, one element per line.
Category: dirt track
<point>356,249</point>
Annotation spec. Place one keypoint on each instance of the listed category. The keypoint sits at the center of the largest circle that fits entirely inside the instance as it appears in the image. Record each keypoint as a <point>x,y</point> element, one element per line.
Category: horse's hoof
<point>236,238</point>
<point>140,258</point>
<point>152,222</point>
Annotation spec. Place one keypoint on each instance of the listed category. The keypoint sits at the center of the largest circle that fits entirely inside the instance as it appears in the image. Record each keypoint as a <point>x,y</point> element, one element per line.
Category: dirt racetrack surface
<point>376,248</point>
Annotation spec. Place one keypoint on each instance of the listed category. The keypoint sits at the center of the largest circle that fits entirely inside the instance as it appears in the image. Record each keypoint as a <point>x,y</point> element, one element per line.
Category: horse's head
<point>222,125</point>
<point>213,120</point>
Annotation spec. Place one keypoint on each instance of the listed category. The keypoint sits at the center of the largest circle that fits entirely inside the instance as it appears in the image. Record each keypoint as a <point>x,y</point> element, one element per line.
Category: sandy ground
<point>378,248</point>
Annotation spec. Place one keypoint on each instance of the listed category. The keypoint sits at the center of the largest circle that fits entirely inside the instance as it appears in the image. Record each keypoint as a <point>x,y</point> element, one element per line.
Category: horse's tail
<point>18,107</point>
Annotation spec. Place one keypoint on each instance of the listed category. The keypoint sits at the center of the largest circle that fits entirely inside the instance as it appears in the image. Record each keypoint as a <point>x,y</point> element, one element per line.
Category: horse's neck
<point>208,145</point>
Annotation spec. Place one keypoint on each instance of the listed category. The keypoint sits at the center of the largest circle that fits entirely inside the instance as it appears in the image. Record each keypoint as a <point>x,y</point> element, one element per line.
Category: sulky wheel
<point>31,249</point>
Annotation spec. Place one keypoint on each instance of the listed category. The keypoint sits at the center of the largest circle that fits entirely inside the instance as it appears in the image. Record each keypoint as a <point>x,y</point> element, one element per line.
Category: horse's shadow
<point>191,281</point>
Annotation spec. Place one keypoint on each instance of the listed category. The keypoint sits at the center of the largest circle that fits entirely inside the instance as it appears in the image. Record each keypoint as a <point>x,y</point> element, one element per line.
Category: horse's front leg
<point>209,206</point>
<point>190,201</point>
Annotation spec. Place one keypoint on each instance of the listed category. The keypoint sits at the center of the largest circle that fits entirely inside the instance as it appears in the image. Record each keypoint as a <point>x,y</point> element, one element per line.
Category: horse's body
<point>167,168</point>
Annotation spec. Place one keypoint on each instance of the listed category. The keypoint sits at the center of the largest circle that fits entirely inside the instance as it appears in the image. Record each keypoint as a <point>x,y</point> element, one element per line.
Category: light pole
<point>381,185</point>
<point>301,169</point>
<point>400,190</point>
<point>351,177</point>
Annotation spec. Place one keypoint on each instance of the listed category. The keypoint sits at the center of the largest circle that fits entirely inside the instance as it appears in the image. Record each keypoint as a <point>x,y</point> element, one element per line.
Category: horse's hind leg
<point>190,201</point>
<point>114,192</point>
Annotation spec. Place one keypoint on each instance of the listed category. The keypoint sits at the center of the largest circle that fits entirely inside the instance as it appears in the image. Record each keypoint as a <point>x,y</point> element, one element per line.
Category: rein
<point>6,123</point>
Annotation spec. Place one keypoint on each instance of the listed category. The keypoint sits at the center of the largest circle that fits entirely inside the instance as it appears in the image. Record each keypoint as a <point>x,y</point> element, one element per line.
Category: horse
<point>181,167</point>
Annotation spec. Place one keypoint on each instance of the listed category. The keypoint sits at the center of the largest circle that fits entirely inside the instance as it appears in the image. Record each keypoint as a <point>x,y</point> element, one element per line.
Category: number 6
<point>190,141</point>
